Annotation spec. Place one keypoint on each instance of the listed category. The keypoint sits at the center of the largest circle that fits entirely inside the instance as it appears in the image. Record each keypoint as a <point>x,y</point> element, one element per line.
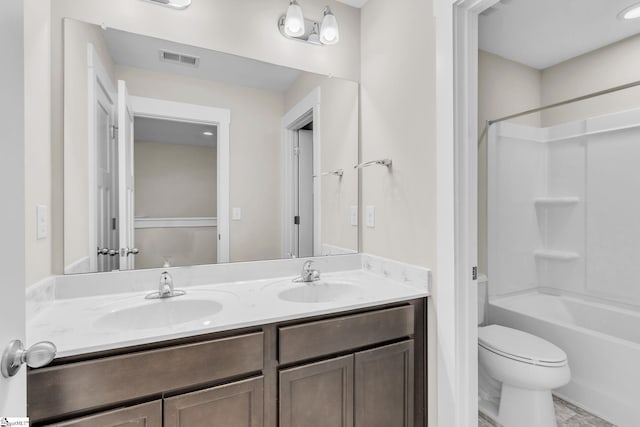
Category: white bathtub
<point>602,343</point>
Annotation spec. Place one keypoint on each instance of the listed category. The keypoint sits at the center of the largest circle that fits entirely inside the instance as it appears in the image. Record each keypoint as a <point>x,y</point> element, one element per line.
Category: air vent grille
<point>179,58</point>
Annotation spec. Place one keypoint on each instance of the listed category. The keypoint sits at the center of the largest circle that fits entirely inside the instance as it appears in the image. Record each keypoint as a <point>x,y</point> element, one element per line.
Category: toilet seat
<point>520,346</point>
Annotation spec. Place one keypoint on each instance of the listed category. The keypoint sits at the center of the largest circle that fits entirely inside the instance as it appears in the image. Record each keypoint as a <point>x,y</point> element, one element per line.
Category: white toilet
<point>517,372</point>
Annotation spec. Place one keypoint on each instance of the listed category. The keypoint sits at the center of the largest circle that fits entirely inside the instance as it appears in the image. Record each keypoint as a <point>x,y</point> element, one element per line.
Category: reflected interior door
<point>106,181</point>
<point>303,175</point>
<point>126,181</point>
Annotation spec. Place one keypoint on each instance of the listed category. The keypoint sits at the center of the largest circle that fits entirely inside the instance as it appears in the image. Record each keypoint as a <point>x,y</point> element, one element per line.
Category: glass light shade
<point>294,21</point>
<point>314,37</point>
<point>632,13</point>
<point>329,32</point>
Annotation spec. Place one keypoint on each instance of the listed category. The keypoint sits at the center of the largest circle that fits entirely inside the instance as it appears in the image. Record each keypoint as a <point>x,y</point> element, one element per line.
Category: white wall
<point>37,95</point>
<point>504,87</point>
<point>610,66</point>
<point>339,134</point>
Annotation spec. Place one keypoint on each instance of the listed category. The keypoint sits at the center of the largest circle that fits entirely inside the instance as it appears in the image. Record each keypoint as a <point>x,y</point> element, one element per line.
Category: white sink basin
<point>321,291</point>
<point>158,313</point>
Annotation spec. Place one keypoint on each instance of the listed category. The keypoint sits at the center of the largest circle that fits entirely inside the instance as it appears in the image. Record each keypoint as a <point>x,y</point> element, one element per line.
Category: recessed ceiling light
<point>631,12</point>
<point>207,133</point>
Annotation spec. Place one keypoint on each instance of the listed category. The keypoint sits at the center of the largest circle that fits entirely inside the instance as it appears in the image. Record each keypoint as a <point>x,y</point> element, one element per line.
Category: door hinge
<point>296,220</point>
<point>114,132</point>
<point>474,273</point>
<point>296,151</point>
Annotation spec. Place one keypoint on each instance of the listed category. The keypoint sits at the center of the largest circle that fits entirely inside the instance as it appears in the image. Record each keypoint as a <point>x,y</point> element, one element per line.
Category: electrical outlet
<point>371,216</point>
<point>42,222</point>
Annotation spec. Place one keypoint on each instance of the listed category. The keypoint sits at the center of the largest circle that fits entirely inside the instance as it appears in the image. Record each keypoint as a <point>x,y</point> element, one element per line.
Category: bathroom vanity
<point>354,355</point>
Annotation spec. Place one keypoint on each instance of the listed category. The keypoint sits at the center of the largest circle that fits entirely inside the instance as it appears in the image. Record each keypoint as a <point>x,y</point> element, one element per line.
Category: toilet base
<point>526,408</point>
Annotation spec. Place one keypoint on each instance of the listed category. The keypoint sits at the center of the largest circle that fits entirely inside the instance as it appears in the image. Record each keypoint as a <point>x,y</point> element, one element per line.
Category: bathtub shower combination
<point>564,250</point>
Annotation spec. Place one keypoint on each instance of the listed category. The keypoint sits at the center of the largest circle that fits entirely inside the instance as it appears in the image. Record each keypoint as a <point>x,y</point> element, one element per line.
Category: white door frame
<point>98,80</point>
<point>457,135</point>
<point>308,109</point>
<point>13,391</point>
<point>191,113</point>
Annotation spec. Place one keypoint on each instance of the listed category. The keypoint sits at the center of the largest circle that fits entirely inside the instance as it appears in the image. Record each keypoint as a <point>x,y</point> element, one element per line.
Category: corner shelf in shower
<point>556,201</point>
<point>549,254</point>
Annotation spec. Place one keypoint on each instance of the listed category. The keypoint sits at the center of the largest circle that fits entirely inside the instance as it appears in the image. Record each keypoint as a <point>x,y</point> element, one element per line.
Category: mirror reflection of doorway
<point>303,192</point>
<point>175,192</point>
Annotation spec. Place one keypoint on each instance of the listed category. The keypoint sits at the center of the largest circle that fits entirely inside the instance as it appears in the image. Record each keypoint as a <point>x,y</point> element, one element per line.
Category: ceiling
<point>543,33</point>
<point>170,132</point>
<point>354,3</point>
<point>143,52</point>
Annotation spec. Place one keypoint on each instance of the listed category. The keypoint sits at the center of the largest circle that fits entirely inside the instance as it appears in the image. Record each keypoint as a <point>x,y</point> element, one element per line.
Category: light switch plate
<point>42,222</point>
<point>371,216</point>
<point>354,216</point>
<point>236,214</point>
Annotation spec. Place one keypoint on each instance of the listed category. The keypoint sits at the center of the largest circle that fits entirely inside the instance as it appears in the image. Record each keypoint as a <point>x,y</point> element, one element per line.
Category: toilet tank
<point>483,298</point>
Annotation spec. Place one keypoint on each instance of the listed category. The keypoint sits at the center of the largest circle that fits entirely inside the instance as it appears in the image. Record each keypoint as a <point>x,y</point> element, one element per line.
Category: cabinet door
<point>145,415</point>
<point>384,386</point>
<point>318,394</point>
<point>237,404</point>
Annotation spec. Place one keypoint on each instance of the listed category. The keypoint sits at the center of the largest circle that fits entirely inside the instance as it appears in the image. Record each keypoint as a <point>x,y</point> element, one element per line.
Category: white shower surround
<point>564,246</point>
<point>564,207</point>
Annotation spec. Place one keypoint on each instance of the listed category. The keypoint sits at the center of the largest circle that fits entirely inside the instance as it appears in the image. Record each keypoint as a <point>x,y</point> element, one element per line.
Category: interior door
<point>304,178</point>
<point>126,182</point>
<point>106,182</point>
<point>13,391</point>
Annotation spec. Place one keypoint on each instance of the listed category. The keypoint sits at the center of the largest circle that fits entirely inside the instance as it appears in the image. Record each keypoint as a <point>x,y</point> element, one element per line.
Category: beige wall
<point>504,87</point>
<point>76,155</point>
<point>37,82</point>
<point>255,155</point>
<point>339,150</point>
<point>398,122</point>
<point>610,66</point>
<point>175,180</point>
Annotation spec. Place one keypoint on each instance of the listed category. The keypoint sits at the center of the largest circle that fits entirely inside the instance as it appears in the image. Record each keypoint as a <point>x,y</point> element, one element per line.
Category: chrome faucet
<point>308,274</point>
<point>165,289</point>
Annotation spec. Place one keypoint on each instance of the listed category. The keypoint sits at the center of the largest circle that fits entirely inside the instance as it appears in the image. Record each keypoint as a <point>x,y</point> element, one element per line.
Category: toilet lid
<point>520,346</point>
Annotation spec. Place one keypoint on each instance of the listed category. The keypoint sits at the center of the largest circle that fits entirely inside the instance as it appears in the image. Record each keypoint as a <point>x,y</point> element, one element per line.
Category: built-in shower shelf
<point>556,201</point>
<point>556,255</point>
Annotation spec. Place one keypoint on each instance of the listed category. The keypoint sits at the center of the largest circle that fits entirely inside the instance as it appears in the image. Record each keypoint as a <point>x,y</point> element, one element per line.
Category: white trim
<point>191,113</point>
<point>456,295</point>
<point>175,222</point>
<point>298,116</point>
<point>98,76</point>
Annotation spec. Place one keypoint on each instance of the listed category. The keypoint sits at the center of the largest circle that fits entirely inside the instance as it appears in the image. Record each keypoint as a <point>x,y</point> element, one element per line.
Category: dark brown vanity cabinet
<point>372,385</point>
<point>357,369</point>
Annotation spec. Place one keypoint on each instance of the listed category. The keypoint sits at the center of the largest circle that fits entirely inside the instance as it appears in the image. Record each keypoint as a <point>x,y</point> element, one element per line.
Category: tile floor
<point>568,415</point>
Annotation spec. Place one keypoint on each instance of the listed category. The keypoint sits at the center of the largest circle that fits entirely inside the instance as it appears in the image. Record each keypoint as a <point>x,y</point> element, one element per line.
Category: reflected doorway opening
<point>301,217</point>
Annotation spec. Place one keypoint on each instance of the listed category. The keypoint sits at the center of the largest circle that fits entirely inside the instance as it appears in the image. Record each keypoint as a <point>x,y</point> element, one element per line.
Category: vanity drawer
<point>83,386</point>
<point>145,415</point>
<point>323,337</point>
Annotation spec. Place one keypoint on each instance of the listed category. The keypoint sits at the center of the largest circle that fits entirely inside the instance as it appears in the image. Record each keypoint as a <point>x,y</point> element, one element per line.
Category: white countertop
<point>72,324</point>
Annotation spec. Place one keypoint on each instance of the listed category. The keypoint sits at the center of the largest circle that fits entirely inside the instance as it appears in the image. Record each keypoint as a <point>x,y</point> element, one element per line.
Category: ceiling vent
<point>179,58</point>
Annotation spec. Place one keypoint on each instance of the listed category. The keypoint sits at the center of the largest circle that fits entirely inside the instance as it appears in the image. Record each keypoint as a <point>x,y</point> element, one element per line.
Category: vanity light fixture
<point>174,4</point>
<point>631,12</point>
<point>295,26</point>
<point>207,133</point>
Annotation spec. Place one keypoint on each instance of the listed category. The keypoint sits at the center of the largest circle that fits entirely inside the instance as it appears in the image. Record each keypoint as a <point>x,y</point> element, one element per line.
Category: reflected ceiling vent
<point>179,58</point>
